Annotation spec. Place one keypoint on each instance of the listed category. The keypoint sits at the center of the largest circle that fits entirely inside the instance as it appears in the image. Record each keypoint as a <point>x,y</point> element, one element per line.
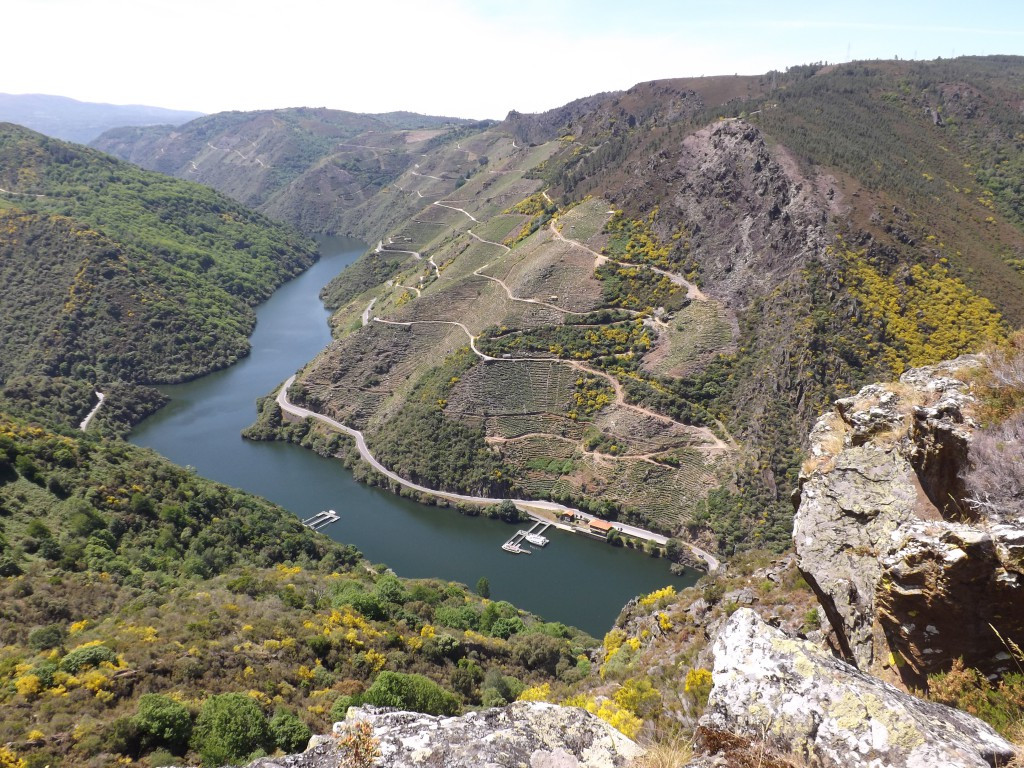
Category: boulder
<point>790,699</point>
<point>533,734</point>
<point>524,735</point>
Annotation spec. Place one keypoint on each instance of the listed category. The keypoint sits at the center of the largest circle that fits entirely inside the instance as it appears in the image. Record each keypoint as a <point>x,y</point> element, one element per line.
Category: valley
<point>667,313</point>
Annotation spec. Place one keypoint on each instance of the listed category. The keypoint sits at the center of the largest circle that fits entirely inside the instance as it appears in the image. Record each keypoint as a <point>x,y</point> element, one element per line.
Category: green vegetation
<point>634,241</point>
<point>455,458</point>
<point>412,692</point>
<point>106,547</point>
<point>568,342</point>
<point>1000,704</point>
<point>229,729</point>
<point>113,273</point>
<point>638,288</point>
<point>368,271</point>
<point>920,316</point>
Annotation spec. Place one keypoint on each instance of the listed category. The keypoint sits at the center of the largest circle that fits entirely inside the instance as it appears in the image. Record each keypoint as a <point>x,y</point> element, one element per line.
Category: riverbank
<point>532,507</point>
<point>201,428</point>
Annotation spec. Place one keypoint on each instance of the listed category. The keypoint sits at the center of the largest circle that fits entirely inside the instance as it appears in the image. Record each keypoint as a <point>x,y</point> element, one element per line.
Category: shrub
<point>698,687</point>
<point>483,587</point>
<point>288,732</point>
<point>163,722</point>
<point>506,627</point>
<point>89,656</point>
<point>161,757</point>
<point>358,746</point>
<point>230,727</point>
<point>499,689</point>
<point>122,736</point>
<point>45,638</point>
<point>412,692</point>
<point>340,707</point>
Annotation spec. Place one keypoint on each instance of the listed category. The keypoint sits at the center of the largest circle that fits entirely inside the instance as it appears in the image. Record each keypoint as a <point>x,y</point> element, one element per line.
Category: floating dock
<point>321,520</point>
<point>515,544</point>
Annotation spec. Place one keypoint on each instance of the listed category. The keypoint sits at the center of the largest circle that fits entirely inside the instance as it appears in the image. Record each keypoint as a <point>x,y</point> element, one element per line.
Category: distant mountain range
<point>305,166</point>
<point>82,121</point>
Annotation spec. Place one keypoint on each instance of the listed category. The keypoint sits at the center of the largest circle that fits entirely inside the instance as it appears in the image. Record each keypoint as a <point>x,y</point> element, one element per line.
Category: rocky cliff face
<point>911,576</point>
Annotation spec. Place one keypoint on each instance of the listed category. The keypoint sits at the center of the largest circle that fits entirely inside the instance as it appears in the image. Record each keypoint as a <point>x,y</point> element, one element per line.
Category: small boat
<point>536,538</point>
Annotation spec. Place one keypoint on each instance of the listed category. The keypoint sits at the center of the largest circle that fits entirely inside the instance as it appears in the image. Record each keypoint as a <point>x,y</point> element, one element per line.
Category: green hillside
<point>109,273</point>
<point>124,576</point>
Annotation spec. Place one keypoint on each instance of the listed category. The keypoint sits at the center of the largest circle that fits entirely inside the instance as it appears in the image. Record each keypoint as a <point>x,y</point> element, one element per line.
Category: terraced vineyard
<point>695,333</point>
<point>487,340</point>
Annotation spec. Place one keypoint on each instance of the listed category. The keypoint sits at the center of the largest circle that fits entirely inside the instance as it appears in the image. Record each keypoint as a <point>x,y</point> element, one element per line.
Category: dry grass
<point>670,754</point>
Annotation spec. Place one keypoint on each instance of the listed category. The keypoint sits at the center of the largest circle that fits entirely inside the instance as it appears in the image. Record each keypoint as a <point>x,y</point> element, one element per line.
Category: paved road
<point>526,504</point>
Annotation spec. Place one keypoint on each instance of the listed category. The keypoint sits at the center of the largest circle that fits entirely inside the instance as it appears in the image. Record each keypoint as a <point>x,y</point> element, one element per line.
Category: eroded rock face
<point>800,701</point>
<point>908,578</point>
<point>533,734</point>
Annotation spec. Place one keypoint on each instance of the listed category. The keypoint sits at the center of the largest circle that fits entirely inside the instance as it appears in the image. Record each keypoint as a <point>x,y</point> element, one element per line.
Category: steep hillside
<point>81,121</point>
<point>300,166</point>
<point>113,273</point>
<point>663,286</point>
<point>498,330</point>
<point>135,595</point>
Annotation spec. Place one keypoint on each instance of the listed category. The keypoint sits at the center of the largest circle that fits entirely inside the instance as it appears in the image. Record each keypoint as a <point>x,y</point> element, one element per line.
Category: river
<point>574,580</point>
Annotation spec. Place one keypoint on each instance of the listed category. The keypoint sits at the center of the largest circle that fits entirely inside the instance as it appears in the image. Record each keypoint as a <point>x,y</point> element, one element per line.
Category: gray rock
<point>529,734</point>
<point>881,537</point>
<point>800,701</point>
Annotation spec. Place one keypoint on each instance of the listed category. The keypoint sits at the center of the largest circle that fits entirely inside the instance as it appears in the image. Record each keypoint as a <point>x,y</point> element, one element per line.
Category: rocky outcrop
<point>776,694</point>
<point>533,734</point>
<point>753,220</point>
<point>525,734</point>
<point>907,572</point>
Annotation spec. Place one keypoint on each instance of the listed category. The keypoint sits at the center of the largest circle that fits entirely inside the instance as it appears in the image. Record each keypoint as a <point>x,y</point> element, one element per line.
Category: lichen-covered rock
<point>884,537</point>
<point>797,700</point>
<point>533,734</point>
<point>521,735</point>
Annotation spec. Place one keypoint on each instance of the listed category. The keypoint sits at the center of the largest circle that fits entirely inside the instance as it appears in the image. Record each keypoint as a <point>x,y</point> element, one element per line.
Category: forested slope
<point>110,273</point>
<point>123,576</point>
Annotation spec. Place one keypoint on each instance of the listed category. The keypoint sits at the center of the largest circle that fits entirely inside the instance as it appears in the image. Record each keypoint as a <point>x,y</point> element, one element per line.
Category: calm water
<point>574,580</point>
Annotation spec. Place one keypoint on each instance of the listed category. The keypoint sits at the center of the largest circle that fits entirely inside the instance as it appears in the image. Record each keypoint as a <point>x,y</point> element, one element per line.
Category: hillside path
<point>692,291</point>
<point>512,297</point>
<point>85,422</point>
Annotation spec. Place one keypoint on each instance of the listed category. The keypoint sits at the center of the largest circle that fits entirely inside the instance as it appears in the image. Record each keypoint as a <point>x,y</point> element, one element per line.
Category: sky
<point>461,58</point>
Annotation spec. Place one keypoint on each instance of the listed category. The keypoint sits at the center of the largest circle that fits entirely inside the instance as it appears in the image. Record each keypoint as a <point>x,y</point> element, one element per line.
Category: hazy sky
<point>462,58</point>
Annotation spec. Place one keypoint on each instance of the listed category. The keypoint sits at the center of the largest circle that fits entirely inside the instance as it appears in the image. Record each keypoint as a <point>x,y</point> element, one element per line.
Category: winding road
<point>527,505</point>
<point>692,291</point>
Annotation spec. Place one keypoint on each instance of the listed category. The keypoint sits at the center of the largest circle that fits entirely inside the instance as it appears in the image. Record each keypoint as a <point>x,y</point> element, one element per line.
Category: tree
<point>288,732</point>
<point>163,722</point>
<point>230,727</point>
<point>413,692</point>
<point>483,587</point>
